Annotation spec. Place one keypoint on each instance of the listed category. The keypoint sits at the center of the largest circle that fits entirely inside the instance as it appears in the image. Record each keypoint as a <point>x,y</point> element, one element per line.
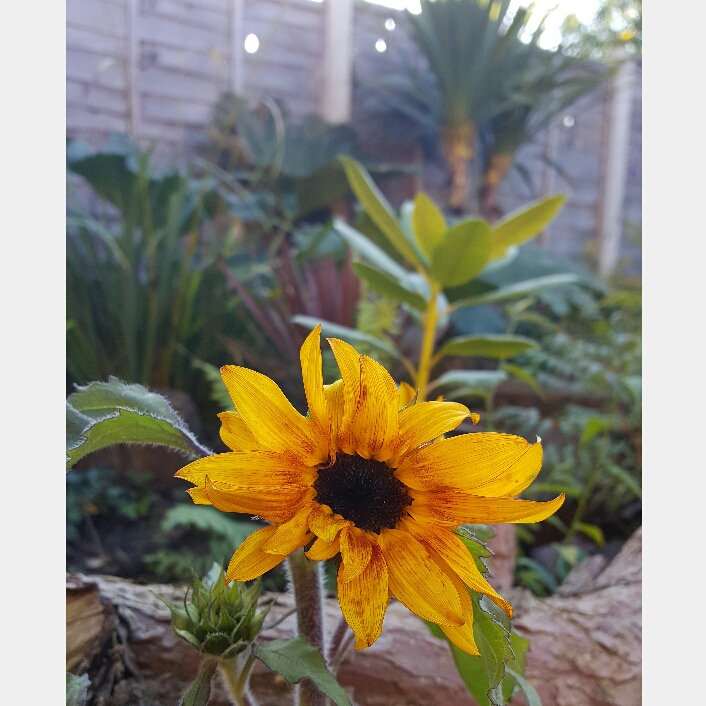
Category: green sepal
<point>296,659</point>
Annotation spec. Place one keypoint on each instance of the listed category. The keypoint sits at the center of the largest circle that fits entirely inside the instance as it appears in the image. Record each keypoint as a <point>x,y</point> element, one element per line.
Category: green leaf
<point>594,426</point>
<point>520,647</point>
<point>515,291</point>
<point>595,534</point>
<point>76,689</point>
<point>487,346</point>
<point>199,692</point>
<point>524,223</point>
<point>470,380</point>
<point>428,224</point>
<point>462,254</point>
<point>531,696</point>
<point>350,335</point>
<point>367,249</point>
<point>382,284</point>
<point>525,376</point>
<point>625,478</point>
<point>296,659</point>
<point>104,413</point>
<point>378,207</point>
<point>207,518</point>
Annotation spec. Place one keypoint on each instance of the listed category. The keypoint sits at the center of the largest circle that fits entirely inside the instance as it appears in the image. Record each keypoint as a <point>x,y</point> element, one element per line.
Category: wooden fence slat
<point>99,69</point>
<point>97,15</point>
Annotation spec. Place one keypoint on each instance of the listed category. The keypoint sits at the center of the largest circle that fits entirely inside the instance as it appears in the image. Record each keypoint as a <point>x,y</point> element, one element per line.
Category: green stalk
<point>235,673</point>
<point>427,351</point>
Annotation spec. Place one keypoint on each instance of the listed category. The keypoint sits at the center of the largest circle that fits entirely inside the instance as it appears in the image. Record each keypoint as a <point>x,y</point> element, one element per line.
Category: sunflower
<point>366,477</point>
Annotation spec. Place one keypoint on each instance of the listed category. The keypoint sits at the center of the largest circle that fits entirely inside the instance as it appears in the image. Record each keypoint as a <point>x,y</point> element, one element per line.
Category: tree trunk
<point>459,148</point>
<point>585,645</point>
<point>496,169</point>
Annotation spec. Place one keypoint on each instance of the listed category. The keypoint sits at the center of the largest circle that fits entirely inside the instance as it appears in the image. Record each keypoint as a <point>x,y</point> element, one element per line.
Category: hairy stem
<point>305,578</point>
<point>235,673</point>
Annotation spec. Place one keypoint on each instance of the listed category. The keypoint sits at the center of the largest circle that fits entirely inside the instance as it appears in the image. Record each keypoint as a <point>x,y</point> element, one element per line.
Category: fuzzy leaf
<point>350,335</point>
<point>378,208</point>
<point>487,346</point>
<point>531,696</point>
<point>515,291</point>
<point>387,287</point>
<point>199,692</point>
<point>296,659</point>
<point>520,647</point>
<point>428,224</point>
<point>104,413</point>
<point>524,223</point>
<point>462,254</point>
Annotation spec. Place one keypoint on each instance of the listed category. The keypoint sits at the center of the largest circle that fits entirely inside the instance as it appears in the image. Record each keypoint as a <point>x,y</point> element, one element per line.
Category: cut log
<point>585,645</point>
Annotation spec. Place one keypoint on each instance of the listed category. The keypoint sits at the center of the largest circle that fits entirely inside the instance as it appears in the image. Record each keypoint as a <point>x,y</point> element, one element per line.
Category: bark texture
<point>585,645</point>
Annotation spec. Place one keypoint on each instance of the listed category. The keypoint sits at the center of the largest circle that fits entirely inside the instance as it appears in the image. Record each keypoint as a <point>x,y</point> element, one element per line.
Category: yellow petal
<point>417,581</point>
<point>291,534</point>
<point>199,495</point>
<point>259,500</point>
<point>248,468</point>
<point>455,553</point>
<point>422,423</point>
<point>461,636</point>
<point>325,524</point>
<point>321,550</point>
<point>406,394</point>
<point>348,361</point>
<point>454,507</point>
<point>355,553</point>
<point>517,478</point>
<point>375,423</point>
<point>235,433</point>
<point>463,462</point>
<point>312,375</point>
<point>273,421</point>
<point>249,561</point>
<point>364,599</point>
<point>335,399</point>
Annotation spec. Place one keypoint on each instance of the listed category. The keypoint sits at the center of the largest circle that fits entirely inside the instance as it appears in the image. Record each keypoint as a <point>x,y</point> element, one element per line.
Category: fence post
<point>338,62</point>
<point>616,168</point>
<point>236,46</point>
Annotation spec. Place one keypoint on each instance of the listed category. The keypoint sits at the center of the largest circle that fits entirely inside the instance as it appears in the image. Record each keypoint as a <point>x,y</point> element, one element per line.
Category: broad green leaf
<point>594,426</point>
<point>594,533</point>
<point>469,380</point>
<point>76,689</point>
<point>515,291</point>
<point>296,659</point>
<point>475,538</point>
<point>462,254</point>
<point>428,224</point>
<point>104,413</point>
<point>378,207</point>
<point>350,335</point>
<point>498,346</point>
<point>625,478</point>
<point>387,287</point>
<point>525,376</point>
<point>531,696</point>
<point>199,692</point>
<point>520,646</point>
<point>524,223</point>
<point>369,250</point>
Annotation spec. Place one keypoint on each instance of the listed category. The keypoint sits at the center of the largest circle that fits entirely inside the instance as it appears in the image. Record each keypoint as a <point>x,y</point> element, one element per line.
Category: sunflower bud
<point>219,619</point>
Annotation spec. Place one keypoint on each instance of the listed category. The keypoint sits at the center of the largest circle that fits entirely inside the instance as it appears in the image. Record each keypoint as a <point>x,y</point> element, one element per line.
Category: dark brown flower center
<point>362,491</point>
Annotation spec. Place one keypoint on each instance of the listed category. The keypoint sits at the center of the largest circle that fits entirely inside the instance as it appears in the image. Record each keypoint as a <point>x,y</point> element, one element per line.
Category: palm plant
<point>470,48</point>
<point>549,83</point>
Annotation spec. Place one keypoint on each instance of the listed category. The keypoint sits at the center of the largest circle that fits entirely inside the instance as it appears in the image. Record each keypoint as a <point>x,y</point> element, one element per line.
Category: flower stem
<point>305,578</point>
<point>425,355</point>
<point>235,673</point>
